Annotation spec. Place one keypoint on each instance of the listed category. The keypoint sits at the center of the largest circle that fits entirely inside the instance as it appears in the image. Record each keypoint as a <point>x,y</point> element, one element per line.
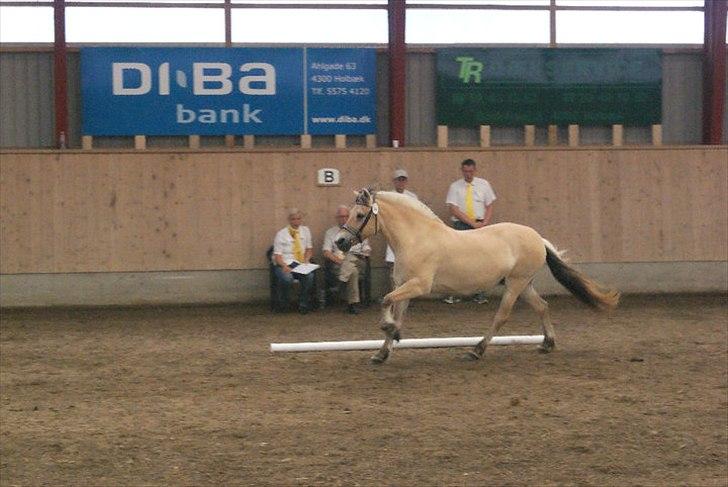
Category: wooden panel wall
<point>203,210</point>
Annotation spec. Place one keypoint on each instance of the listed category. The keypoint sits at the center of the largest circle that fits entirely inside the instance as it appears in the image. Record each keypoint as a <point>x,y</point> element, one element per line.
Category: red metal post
<point>60,74</point>
<point>228,24</point>
<point>397,71</point>
<point>714,66</point>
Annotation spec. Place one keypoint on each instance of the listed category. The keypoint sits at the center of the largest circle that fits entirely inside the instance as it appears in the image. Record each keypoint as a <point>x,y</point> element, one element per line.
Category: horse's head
<point>362,222</point>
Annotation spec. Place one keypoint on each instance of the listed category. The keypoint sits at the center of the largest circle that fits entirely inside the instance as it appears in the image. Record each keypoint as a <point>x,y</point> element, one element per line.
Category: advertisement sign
<point>222,91</point>
<point>527,86</point>
<point>341,91</point>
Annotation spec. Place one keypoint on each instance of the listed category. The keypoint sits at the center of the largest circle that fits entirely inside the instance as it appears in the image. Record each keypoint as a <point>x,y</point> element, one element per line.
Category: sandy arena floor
<point>192,397</point>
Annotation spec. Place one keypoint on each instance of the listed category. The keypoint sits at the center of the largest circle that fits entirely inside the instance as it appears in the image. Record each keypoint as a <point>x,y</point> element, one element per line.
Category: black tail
<point>586,290</point>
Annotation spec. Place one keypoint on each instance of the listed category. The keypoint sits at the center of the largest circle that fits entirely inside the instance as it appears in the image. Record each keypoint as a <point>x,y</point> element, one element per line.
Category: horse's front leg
<point>394,305</point>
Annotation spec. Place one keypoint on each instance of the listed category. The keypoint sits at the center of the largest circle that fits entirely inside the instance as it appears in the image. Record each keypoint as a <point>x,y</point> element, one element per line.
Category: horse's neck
<point>403,227</point>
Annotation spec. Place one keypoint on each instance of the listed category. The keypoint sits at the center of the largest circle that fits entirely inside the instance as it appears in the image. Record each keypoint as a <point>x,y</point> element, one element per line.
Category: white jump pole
<point>406,343</point>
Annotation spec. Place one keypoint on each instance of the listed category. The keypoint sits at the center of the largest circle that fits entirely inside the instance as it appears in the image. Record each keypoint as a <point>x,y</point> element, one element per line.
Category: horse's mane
<point>403,200</point>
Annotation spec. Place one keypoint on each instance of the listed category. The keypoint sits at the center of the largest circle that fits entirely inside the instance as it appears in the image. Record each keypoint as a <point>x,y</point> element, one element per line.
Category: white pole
<point>406,343</point>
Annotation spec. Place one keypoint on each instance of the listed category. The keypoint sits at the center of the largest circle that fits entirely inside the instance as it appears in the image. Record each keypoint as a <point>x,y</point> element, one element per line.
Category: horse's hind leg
<point>514,287</point>
<point>542,308</point>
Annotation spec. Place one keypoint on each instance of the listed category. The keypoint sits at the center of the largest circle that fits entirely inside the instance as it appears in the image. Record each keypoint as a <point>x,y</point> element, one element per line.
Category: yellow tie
<point>297,248</point>
<point>469,206</point>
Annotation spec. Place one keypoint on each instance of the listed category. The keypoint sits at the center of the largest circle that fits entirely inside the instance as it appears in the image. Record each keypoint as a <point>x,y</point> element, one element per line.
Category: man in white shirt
<point>400,178</point>
<point>470,202</point>
<point>292,246</point>
<point>345,267</point>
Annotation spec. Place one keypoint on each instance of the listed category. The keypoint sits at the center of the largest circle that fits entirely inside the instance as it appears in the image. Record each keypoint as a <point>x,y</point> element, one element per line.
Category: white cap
<point>400,173</point>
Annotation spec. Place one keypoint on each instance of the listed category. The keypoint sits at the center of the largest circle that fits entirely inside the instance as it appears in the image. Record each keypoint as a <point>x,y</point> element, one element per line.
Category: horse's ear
<point>363,197</point>
<point>371,192</point>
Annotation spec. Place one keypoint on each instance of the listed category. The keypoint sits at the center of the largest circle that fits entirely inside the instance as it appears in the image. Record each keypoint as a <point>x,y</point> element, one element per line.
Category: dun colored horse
<point>431,257</point>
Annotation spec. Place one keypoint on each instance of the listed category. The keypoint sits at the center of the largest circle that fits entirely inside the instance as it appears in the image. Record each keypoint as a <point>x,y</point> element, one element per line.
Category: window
<point>26,24</point>
<point>629,27</point>
<point>477,26</point>
<point>130,24</point>
<point>335,26</point>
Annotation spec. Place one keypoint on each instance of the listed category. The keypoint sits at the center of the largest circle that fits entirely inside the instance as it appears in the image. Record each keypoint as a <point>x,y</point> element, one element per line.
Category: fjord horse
<point>431,257</point>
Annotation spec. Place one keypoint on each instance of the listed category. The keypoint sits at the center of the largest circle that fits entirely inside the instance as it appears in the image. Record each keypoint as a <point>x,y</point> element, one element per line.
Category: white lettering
<point>225,115</point>
<point>164,79</point>
<point>185,115</point>
<point>248,115</point>
<point>222,79</point>
<point>268,78</point>
<point>145,79</point>
<point>207,116</point>
<point>233,114</point>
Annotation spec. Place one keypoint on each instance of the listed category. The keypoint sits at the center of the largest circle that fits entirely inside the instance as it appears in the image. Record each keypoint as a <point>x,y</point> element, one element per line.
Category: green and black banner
<point>535,86</point>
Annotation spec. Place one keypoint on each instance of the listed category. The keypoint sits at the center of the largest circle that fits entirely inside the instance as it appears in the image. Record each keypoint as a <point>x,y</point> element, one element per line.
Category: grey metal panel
<point>26,99</point>
<point>682,95</point>
<point>420,124</point>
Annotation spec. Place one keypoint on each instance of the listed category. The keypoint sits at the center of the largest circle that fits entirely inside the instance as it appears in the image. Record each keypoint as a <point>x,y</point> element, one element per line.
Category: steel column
<point>60,74</point>
<point>714,75</point>
<point>397,71</point>
<point>228,24</point>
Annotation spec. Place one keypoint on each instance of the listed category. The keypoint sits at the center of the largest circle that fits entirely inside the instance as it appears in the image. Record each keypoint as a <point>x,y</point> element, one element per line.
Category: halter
<point>373,210</point>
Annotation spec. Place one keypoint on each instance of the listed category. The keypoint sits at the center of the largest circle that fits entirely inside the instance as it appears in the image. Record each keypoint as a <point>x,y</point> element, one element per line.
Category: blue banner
<point>341,91</point>
<point>228,91</point>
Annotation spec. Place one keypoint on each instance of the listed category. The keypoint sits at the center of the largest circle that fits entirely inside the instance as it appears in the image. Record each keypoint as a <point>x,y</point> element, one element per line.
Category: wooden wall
<point>97,211</point>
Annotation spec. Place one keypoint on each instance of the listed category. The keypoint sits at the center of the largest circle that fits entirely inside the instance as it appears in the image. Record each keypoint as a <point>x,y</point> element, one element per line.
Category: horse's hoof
<point>547,346</point>
<point>377,360</point>
<point>472,356</point>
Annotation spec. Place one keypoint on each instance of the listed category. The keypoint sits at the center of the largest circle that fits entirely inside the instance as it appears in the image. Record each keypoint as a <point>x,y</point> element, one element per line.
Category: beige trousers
<point>349,273</point>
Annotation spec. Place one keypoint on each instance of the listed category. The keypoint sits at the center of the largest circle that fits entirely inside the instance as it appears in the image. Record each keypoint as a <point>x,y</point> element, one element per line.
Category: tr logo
<point>469,68</point>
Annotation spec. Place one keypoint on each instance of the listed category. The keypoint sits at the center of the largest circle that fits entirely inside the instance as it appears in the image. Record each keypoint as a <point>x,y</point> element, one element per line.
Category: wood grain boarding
<point>161,210</point>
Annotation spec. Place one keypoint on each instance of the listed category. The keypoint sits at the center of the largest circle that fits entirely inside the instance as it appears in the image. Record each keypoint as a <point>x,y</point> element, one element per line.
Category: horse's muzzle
<point>343,244</point>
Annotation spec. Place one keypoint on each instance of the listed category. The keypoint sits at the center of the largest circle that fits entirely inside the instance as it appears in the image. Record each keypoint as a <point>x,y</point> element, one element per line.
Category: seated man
<point>346,267</point>
<point>292,246</point>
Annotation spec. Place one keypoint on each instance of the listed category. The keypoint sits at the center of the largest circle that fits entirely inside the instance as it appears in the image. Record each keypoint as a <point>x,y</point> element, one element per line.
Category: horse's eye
<point>359,216</point>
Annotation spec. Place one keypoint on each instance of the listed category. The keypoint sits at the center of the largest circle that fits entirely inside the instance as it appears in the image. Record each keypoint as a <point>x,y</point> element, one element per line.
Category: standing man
<point>344,267</point>
<point>292,246</point>
<point>400,179</point>
<point>470,202</point>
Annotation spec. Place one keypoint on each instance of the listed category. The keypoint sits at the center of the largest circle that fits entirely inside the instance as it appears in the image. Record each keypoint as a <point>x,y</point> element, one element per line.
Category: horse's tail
<point>586,290</point>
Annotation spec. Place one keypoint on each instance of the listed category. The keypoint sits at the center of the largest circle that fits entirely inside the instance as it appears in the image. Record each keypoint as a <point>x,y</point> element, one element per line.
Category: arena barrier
<point>406,343</point>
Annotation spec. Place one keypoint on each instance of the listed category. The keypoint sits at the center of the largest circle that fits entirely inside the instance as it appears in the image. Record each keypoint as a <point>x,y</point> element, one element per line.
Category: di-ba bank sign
<point>222,91</point>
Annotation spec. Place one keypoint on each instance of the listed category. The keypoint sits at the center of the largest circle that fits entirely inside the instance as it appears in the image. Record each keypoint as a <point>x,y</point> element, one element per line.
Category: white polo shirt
<point>283,243</point>
<point>483,195</point>
<point>362,248</point>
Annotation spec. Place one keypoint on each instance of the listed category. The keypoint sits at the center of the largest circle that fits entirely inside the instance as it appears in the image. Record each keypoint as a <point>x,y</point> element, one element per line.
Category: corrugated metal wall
<point>26,99</point>
<point>682,98</point>
<point>26,108</point>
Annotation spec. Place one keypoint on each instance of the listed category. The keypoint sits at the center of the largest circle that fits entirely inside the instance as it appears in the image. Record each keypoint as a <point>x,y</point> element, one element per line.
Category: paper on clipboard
<point>304,269</point>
